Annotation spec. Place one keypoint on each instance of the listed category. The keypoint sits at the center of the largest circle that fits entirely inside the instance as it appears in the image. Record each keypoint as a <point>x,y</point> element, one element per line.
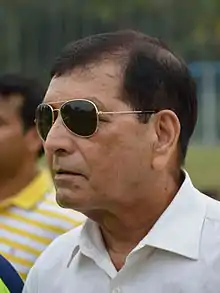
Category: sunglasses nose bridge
<point>56,113</point>
<point>56,126</point>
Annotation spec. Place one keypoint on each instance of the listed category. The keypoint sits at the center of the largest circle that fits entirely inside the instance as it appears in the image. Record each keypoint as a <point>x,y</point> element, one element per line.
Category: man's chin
<point>68,200</point>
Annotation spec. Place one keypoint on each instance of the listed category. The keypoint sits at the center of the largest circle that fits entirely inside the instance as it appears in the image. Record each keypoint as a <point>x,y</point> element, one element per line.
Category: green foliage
<point>34,31</point>
<point>202,165</point>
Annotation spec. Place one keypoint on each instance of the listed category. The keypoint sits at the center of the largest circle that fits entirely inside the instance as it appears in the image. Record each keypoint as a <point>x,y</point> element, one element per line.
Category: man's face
<point>11,137</point>
<point>115,162</point>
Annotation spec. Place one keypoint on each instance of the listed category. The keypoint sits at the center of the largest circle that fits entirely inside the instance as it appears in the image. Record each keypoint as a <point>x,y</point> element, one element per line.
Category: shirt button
<point>116,290</point>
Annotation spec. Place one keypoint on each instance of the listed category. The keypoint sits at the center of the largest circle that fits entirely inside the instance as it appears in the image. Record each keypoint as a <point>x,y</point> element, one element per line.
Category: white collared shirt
<point>181,254</point>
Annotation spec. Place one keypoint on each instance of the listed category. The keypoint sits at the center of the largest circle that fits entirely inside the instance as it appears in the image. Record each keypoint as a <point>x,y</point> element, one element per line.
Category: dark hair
<point>154,77</point>
<point>31,91</point>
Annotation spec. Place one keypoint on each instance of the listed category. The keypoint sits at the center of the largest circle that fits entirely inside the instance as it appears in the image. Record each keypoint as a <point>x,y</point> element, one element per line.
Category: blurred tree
<point>34,31</point>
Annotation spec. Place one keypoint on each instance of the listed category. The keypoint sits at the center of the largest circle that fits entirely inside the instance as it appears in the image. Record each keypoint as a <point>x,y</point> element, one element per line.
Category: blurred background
<point>33,32</point>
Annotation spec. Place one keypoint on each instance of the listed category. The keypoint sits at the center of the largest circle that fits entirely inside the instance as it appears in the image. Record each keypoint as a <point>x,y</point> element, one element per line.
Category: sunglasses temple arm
<point>125,112</point>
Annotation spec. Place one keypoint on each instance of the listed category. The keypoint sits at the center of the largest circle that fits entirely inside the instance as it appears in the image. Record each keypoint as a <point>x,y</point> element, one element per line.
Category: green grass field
<point>203,165</point>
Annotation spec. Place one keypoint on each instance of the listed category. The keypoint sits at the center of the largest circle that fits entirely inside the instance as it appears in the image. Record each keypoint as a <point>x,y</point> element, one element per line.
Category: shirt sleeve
<point>10,280</point>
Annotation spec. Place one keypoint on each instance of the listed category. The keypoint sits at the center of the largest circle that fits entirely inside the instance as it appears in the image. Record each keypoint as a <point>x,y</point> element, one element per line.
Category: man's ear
<point>33,141</point>
<point>167,130</point>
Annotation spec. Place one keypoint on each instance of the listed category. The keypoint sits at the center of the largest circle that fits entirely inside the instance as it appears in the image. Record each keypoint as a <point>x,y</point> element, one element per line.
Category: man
<point>29,216</point>
<point>10,282</point>
<point>116,120</point>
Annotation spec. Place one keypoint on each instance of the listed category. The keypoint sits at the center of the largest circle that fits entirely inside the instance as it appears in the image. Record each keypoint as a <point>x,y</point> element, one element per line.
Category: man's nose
<point>59,139</point>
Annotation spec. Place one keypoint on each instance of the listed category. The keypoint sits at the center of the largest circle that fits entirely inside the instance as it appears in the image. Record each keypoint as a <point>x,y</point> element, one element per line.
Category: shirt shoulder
<point>52,261</point>
<point>61,248</point>
<point>213,209</point>
<point>210,241</point>
<point>54,258</point>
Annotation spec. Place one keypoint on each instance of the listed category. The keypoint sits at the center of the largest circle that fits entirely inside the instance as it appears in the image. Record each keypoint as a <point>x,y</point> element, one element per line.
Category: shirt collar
<point>28,197</point>
<point>179,228</point>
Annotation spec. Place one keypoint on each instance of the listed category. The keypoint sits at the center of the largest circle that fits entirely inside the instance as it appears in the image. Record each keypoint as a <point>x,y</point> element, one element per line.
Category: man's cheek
<point>49,159</point>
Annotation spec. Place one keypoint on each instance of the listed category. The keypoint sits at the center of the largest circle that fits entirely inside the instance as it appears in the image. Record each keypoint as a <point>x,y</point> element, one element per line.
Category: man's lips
<point>67,172</point>
<point>59,174</point>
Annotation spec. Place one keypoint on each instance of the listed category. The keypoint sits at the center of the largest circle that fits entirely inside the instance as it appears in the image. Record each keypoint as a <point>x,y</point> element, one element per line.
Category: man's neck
<point>124,229</point>
<point>11,186</point>
<point>120,238</point>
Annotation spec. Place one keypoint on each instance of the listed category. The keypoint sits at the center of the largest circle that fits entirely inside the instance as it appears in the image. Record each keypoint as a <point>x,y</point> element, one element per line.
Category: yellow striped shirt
<point>30,221</point>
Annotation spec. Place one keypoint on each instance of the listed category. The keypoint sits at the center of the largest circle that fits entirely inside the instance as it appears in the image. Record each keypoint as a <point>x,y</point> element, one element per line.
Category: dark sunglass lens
<point>80,117</point>
<point>44,120</point>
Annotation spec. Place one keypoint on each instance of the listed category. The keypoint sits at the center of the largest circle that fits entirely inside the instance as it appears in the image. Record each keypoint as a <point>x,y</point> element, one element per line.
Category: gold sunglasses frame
<point>98,113</point>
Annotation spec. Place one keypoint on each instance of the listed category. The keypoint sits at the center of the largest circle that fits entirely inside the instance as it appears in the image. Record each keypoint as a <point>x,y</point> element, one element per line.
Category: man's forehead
<point>98,81</point>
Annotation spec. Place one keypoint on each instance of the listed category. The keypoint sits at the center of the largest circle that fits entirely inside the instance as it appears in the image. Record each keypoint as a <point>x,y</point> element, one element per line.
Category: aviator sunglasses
<point>81,117</point>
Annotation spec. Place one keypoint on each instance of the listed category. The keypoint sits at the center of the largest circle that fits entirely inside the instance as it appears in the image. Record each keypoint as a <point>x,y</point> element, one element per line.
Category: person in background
<point>10,281</point>
<point>29,216</point>
<point>116,123</point>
